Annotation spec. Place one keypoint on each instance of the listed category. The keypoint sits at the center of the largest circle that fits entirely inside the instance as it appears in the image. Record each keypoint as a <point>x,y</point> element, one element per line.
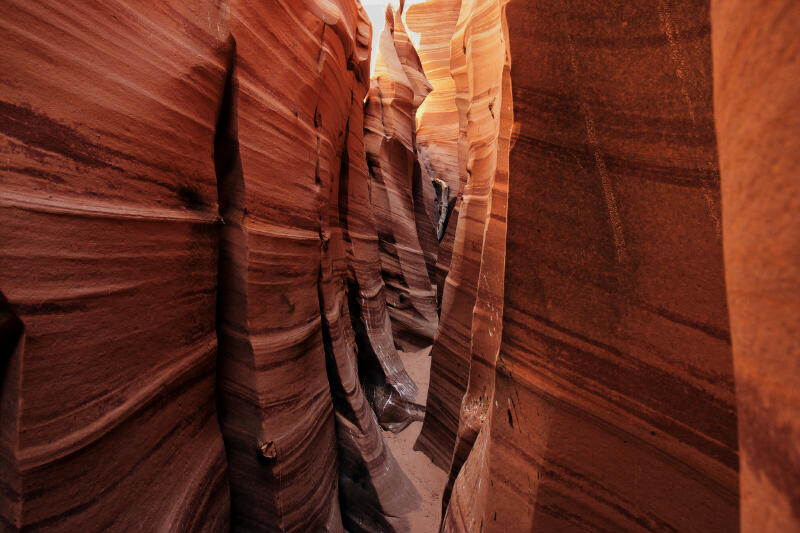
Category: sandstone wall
<point>175,174</point>
<point>614,404</point>
<point>756,76</point>
<point>479,69</point>
<point>108,257</point>
<point>398,88</point>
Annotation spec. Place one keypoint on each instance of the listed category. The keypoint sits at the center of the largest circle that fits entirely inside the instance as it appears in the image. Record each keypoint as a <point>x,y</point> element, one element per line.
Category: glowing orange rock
<point>613,406</point>
<point>756,77</point>
<point>398,88</point>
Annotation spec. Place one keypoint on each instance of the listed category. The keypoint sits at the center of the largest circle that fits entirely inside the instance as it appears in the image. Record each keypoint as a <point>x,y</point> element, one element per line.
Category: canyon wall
<point>612,406</point>
<point>178,177</point>
<point>219,236</point>
<point>405,233</point>
<point>479,70</point>
<point>756,80</point>
<point>108,257</point>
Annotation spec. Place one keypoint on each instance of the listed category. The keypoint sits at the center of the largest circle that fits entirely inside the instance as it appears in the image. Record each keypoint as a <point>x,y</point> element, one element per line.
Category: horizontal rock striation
<point>398,88</point>
<point>479,70</point>
<point>613,406</point>
<point>174,175</point>
<point>108,257</point>
<point>219,236</point>
<point>437,123</point>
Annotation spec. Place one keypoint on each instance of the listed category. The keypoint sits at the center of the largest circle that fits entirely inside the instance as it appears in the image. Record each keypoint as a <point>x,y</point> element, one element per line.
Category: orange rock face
<point>211,184</point>
<point>398,88</point>
<point>108,257</point>
<point>613,406</point>
<point>479,69</point>
<point>437,124</point>
<point>756,76</point>
<point>218,234</point>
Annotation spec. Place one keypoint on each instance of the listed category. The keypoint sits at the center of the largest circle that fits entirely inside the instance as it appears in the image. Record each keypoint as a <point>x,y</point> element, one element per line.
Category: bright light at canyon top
<point>376,9</point>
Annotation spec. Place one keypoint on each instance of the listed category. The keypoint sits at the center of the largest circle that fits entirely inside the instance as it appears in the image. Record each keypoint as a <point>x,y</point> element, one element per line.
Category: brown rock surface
<point>478,60</point>
<point>756,80</point>
<point>398,88</point>
<point>129,133</point>
<point>272,373</point>
<point>217,231</point>
<point>614,404</point>
<point>108,256</point>
<point>289,262</point>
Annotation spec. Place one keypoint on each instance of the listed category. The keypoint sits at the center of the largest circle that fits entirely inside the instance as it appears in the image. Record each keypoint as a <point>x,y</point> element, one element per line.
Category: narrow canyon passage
<point>370,266</point>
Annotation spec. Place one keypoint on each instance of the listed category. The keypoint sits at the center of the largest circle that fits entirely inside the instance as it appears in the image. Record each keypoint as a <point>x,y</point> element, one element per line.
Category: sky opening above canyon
<point>376,10</point>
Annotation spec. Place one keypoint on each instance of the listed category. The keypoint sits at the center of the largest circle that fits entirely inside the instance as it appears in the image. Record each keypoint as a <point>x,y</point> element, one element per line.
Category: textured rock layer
<point>756,80</point>
<point>108,257</point>
<point>174,174</point>
<point>218,232</point>
<point>398,88</point>
<point>613,407</point>
<point>479,69</point>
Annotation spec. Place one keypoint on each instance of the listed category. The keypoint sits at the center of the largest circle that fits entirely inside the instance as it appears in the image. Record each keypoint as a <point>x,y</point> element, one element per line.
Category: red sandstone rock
<point>397,89</point>
<point>123,130</point>
<point>272,372</point>
<point>437,123</point>
<point>131,135</point>
<point>375,493</point>
<point>487,316</point>
<point>478,60</point>
<point>756,80</point>
<point>437,118</point>
<point>614,404</point>
<point>108,256</point>
<point>288,263</point>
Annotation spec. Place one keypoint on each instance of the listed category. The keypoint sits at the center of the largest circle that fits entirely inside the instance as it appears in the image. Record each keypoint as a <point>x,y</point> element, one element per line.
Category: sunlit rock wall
<point>478,63</point>
<point>437,121</point>
<point>756,98</point>
<point>614,405</point>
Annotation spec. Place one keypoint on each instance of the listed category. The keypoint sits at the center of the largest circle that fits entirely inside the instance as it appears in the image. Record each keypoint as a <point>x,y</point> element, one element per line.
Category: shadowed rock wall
<point>108,257</point>
<point>174,174</point>
<point>397,89</point>
<point>209,248</point>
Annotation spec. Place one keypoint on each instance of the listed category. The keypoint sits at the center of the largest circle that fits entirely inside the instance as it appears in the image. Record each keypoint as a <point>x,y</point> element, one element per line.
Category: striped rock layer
<point>437,122</point>
<point>613,405</point>
<point>179,352</point>
<point>211,244</point>
<point>407,255</point>
<point>108,260</point>
<point>479,69</point>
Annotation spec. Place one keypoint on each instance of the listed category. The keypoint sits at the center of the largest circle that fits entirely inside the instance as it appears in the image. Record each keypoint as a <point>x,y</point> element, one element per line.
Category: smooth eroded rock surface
<point>756,80</point>
<point>614,401</point>
<point>398,88</point>
<point>478,63</point>
<point>108,257</point>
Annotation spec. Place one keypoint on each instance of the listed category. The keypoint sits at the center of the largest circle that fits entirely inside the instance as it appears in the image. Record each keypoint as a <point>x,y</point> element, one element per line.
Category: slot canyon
<point>456,266</point>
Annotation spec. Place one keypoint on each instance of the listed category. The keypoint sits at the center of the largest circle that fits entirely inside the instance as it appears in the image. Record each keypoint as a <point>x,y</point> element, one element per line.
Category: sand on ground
<point>428,479</point>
